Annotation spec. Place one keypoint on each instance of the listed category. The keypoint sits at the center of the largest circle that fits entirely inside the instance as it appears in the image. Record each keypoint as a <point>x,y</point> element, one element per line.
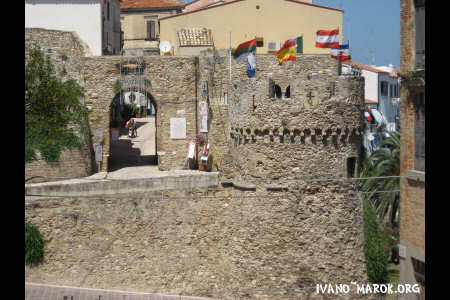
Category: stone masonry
<point>270,228</point>
<point>66,51</point>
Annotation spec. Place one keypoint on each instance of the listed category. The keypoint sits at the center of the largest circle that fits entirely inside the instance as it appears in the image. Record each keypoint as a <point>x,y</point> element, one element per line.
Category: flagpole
<point>230,64</point>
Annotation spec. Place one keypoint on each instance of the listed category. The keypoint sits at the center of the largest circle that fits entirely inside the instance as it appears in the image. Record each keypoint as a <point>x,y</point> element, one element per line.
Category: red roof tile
<point>368,101</point>
<point>151,3</point>
<point>367,67</point>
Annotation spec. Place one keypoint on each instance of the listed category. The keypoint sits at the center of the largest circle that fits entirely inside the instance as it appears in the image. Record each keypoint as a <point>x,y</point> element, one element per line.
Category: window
<point>277,91</point>
<point>288,92</point>
<point>259,42</point>
<point>391,90</point>
<point>351,167</point>
<point>419,132</point>
<point>107,11</point>
<point>420,33</point>
<point>384,88</point>
<point>151,33</point>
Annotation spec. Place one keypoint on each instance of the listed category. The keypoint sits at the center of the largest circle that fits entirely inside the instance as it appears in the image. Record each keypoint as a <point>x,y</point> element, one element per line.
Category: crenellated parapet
<point>293,135</point>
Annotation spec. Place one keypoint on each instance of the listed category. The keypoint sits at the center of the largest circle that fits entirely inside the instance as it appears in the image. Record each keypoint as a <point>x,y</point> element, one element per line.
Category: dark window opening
<point>351,167</point>
<point>107,11</point>
<point>420,33</point>
<point>384,88</point>
<point>259,42</point>
<point>151,32</point>
<point>288,92</point>
<point>419,270</point>
<point>277,91</point>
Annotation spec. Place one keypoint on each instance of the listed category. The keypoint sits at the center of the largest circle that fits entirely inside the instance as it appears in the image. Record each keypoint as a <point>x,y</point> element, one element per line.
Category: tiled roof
<point>209,6</point>
<point>195,37</point>
<point>368,101</point>
<point>151,3</point>
<point>367,67</point>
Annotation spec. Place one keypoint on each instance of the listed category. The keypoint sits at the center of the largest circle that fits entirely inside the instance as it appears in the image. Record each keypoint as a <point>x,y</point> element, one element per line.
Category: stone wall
<point>66,51</point>
<point>220,242</point>
<point>264,232</point>
<point>310,134</point>
<point>172,89</point>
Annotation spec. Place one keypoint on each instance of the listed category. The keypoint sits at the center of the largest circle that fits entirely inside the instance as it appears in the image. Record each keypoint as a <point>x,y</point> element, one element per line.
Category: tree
<point>382,163</point>
<point>374,247</point>
<point>55,119</point>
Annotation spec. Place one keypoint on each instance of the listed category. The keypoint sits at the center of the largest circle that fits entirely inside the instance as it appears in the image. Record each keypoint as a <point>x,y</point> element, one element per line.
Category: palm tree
<point>384,162</point>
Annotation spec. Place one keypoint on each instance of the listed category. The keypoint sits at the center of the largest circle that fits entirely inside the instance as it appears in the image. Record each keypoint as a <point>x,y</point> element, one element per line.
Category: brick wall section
<point>412,197</point>
<point>76,162</point>
<point>412,191</point>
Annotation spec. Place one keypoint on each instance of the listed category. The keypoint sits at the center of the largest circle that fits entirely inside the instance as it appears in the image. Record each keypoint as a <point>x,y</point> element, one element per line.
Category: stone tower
<point>291,127</point>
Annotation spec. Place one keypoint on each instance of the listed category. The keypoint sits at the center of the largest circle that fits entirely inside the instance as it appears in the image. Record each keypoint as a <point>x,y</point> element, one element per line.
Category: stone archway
<point>128,151</point>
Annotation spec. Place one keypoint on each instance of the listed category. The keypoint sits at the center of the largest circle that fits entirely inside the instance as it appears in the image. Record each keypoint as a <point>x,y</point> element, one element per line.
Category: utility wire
<point>305,179</point>
<point>193,197</point>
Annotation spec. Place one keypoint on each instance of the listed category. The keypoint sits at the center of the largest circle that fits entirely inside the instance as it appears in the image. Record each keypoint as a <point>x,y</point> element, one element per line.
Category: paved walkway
<point>35,291</point>
<point>137,151</point>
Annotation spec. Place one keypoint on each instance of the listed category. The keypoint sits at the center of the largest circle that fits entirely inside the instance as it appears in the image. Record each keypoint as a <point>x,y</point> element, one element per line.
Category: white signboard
<point>99,153</point>
<point>178,128</point>
<point>98,133</point>
<point>204,124</point>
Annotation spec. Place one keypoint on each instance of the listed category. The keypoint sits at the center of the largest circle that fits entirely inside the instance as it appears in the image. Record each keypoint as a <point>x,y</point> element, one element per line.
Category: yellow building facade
<point>140,22</point>
<point>274,21</point>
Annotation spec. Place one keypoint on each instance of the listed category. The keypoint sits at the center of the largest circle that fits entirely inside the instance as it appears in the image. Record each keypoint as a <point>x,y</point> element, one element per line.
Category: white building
<point>381,90</point>
<point>382,100</point>
<point>97,22</point>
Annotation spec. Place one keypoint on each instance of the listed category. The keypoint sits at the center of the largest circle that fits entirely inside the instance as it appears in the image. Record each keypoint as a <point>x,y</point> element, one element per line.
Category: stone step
<point>90,187</point>
<point>35,291</point>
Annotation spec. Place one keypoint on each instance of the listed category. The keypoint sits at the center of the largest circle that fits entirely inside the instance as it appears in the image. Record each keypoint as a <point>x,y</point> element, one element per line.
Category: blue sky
<point>373,28</point>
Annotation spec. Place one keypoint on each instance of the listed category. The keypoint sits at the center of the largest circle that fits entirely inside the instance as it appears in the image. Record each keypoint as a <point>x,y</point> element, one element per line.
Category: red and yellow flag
<point>287,51</point>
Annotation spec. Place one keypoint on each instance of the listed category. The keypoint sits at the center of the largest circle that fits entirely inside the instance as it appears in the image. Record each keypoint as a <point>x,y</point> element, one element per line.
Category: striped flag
<point>341,53</point>
<point>244,49</point>
<point>327,39</point>
<point>289,50</point>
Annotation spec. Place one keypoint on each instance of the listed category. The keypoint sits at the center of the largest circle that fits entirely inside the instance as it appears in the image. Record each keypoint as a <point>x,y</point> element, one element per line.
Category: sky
<point>372,27</point>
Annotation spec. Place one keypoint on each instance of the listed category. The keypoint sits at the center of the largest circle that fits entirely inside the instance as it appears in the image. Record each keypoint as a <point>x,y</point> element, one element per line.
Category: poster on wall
<point>204,124</point>
<point>203,108</point>
<point>177,128</point>
<point>203,112</point>
<point>98,153</point>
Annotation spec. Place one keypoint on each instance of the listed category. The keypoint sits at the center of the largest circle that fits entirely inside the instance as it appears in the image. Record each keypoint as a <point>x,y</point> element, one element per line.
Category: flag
<point>251,64</point>
<point>244,49</point>
<point>341,53</point>
<point>327,38</point>
<point>290,49</point>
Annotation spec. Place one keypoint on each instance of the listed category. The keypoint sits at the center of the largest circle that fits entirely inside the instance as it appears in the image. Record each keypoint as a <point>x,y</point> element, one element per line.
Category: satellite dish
<point>165,46</point>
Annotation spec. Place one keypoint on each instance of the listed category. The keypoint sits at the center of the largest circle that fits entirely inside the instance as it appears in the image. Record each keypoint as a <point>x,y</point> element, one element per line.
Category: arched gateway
<point>163,87</point>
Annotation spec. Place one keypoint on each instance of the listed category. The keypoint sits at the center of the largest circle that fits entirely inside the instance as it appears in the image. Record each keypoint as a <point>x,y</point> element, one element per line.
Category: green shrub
<point>34,245</point>
<point>374,247</point>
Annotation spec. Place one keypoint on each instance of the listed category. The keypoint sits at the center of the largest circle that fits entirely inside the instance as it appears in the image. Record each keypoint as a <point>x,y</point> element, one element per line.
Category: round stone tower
<point>292,128</point>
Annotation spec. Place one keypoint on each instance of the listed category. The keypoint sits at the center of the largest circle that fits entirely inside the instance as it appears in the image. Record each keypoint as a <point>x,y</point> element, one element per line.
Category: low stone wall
<point>218,242</point>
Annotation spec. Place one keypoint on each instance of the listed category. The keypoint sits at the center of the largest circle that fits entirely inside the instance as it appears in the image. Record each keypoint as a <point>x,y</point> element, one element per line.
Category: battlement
<point>298,135</point>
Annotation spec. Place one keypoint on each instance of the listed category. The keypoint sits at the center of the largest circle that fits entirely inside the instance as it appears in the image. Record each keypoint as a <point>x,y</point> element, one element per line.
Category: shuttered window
<point>420,33</point>
<point>419,132</point>
<point>384,88</point>
<point>271,88</point>
<point>151,32</point>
